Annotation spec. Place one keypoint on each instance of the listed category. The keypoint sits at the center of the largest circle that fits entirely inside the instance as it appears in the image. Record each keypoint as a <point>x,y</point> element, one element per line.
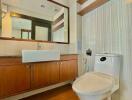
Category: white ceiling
<point>35,6</point>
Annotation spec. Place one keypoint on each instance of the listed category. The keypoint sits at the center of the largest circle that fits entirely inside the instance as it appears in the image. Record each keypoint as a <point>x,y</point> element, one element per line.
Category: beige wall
<point>11,48</point>
<point>73,25</point>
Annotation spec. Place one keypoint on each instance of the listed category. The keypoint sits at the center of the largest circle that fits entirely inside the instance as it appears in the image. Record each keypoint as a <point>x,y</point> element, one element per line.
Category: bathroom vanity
<point>38,22</point>
<point>17,77</point>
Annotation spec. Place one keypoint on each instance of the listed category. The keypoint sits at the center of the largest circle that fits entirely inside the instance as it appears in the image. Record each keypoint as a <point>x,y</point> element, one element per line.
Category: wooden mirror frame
<point>7,38</point>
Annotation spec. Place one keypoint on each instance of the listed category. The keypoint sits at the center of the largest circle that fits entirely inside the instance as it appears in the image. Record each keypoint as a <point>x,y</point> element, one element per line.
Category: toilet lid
<point>93,83</point>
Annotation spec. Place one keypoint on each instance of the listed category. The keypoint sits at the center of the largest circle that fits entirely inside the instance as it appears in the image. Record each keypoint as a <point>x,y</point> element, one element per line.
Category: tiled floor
<point>62,93</point>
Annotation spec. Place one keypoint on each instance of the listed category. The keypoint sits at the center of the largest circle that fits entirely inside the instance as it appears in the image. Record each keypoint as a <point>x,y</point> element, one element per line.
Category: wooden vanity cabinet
<point>14,77</point>
<point>48,73</point>
<point>68,70</point>
<point>44,74</point>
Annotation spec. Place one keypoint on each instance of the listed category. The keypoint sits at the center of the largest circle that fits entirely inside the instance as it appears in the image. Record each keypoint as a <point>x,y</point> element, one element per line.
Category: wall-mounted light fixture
<point>129,1</point>
<point>4,9</point>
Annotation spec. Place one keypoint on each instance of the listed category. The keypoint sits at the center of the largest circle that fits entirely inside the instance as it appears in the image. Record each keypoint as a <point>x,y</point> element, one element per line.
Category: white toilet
<point>103,82</point>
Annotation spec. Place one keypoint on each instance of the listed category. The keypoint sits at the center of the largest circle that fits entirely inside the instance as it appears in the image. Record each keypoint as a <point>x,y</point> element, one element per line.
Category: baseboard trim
<point>27,94</point>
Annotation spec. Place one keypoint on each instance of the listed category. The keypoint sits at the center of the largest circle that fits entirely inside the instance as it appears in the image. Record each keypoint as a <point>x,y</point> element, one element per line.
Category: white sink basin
<point>39,56</point>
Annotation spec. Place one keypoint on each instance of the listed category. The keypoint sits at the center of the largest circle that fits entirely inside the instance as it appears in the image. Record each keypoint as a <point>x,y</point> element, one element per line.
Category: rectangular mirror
<point>41,20</point>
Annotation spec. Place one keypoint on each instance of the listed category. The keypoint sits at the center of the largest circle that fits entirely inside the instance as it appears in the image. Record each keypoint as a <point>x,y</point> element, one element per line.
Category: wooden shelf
<point>81,1</point>
<point>92,6</point>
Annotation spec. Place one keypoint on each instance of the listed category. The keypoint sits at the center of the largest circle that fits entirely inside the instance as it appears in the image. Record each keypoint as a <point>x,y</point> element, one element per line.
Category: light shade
<point>4,9</point>
<point>128,1</point>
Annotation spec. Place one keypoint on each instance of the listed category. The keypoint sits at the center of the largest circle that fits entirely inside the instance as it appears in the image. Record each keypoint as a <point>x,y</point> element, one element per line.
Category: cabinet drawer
<point>10,61</point>
<point>69,57</point>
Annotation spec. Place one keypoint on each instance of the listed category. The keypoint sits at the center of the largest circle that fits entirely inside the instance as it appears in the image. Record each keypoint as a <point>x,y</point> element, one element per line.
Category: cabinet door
<point>14,79</point>
<point>73,69</point>
<point>44,74</point>
<point>68,70</point>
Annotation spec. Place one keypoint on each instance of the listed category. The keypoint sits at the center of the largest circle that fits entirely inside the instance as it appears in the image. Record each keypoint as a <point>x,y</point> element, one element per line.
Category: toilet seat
<point>93,83</point>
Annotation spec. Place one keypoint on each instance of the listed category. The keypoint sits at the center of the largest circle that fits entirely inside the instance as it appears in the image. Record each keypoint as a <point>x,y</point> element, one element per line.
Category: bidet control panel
<point>103,59</point>
<point>107,64</point>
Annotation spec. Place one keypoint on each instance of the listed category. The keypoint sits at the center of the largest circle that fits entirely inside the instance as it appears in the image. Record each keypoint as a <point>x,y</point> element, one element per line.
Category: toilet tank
<point>108,64</point>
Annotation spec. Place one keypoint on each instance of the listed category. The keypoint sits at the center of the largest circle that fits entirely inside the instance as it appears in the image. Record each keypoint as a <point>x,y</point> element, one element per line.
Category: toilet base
<point>109,98</point>
<point>105,96</point>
